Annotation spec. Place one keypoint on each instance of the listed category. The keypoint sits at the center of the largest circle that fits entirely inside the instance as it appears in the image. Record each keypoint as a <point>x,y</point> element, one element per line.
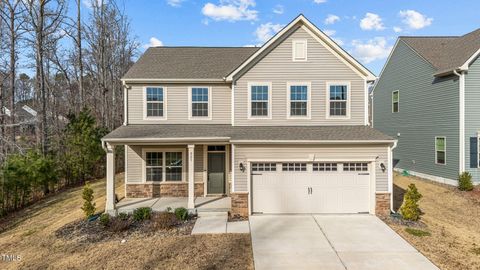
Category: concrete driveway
<point>330,242</point>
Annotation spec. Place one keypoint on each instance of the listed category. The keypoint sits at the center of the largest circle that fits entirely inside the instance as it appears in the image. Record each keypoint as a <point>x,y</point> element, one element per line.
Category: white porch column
<point>110,203</point>
<point>191,180</point>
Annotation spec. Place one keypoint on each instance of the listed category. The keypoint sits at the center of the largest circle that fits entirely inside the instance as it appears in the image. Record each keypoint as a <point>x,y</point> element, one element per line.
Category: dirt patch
<point>34,235</point>
<point>450,216</point>
<point>233,218</point>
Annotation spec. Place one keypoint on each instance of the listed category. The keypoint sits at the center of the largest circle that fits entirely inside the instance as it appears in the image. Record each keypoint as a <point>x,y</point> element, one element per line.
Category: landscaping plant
<point>104,219</point>
<point>88,204</point>
<point>410,209</point>
<point>465,181</point>
<point>142,213</point>
<point>181,213</point>
<point>164,221</point>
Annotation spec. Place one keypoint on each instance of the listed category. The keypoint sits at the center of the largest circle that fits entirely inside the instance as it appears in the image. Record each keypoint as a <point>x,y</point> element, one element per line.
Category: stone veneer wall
<point>382,204</point>
<point>151,190</point>
<point>239,204</point>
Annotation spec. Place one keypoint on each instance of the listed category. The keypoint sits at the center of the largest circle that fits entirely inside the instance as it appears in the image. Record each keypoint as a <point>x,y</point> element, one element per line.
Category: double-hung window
<point>259,100</point>
<point>440,150</point>
<point>200,99</point>
<point>163,166</point>
<point>154,99</point>
<point>298,96</point>
<point>395,101</point>
<point>338,100</point>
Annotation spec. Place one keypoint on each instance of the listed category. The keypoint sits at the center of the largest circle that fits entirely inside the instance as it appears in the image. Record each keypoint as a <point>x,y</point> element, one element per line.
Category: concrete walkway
<point>331,242</point>
<point>217,222</point>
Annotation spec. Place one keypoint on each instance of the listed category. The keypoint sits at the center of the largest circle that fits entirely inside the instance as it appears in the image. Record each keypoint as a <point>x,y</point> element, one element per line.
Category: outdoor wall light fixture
<point>242,167</point>
<point>383,167</point>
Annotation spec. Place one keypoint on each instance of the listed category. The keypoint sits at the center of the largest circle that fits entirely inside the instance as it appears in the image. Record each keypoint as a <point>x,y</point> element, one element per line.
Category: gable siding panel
<point>472,119</point>
<point>429,107</point>
<point>177,104</point>
<point>278,68</point>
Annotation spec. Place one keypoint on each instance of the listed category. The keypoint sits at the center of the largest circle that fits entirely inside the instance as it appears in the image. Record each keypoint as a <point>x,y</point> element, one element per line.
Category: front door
<point>216,173</point>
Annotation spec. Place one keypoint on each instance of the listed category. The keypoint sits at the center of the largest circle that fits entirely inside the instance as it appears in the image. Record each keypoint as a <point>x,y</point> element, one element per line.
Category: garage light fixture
<point>383,167</point>
<point>242,167</point>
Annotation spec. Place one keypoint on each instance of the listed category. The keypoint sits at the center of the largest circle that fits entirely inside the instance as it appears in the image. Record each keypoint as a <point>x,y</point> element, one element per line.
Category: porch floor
<point>202,204</point>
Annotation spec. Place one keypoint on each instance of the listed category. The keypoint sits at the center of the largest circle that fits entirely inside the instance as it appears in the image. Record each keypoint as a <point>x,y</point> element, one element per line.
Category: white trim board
<point>434,178</point>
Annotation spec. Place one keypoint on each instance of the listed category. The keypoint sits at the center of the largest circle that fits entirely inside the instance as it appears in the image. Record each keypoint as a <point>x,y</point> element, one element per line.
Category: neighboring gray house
<point>278,129</point>
<point>427,97</point>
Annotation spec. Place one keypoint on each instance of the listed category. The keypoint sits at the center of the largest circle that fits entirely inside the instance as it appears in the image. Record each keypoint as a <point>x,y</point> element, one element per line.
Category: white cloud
<point>278,9</point>
<point>373,49</point>
<point>372,21</point>
<point>397,29</point>
<point>231,10</point>
<point>175,3</point>
<point>319,1</point>
<point>265,31</point>
<point>329,32</point>
<point>415,19</point>
<point>331,19</point>
<point>153,42</point>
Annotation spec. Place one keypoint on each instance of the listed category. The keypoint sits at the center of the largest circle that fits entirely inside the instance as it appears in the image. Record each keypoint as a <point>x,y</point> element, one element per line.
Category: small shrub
<point>164,221</point>
<point>88,204</point>
<point>104,219</point>
<point>123,216</point>
<point>142,213</point>
<point>118,224</point>
<point>168,209</point>
<point>181,213</point>
<point>465,182</point>
<point>410,209</point>
<point>417,232</point>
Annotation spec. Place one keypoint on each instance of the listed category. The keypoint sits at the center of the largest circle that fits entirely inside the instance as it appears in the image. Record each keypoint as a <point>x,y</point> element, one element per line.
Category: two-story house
<point>427,97</point>
<point>279,129</point>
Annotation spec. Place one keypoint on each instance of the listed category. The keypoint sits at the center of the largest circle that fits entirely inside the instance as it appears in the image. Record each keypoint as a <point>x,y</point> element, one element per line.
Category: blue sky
<point>365,28</point>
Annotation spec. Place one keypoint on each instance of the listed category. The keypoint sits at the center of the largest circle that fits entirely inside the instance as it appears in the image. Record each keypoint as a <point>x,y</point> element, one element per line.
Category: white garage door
<point>310,187</point>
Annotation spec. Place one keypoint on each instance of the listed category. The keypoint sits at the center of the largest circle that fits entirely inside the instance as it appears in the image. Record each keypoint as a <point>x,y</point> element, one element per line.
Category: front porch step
<point>213,209</point>
<point>212,214</point>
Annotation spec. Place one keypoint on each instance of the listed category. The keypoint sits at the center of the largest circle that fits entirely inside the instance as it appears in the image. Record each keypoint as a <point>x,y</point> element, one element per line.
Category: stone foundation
<point>239,204</point>
<point>382,204</point>
<point>156,190</point>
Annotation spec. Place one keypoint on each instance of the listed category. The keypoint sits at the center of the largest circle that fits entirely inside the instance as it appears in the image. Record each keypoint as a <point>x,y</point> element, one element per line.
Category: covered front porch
<point>202,204</point>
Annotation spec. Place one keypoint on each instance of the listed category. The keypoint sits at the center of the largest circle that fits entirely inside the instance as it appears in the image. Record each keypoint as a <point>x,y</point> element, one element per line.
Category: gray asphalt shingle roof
<point>255,133</point>
<point>188,62</point>
<point>445,53</point>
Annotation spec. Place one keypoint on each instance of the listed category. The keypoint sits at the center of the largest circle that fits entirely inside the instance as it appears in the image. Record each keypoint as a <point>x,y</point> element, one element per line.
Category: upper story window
<point>154,102</point>
<point>259,100</point>
<point>298,100</point>
<point>440,150</point>
<point>395,101</point>
<point>200,107</point>
<point>338,102</point>
<point>299,50</point>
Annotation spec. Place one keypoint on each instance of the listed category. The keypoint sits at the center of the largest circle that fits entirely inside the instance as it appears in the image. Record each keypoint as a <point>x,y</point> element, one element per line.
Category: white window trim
<point>349,94</point>
<point>294,43</point>
<point>144,93</point>
<point>398,91</point>
<point>190,93</point>
<point>164,171</point>
<point>445,143</point>
<point>309,100</point>
<point>249,94</point>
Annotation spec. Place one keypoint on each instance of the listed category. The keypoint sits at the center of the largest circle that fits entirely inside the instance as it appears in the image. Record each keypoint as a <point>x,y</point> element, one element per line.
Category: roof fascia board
<point>173,80</point>
<point>186,139</point>
<point>340,52</point>
<point>312,141</point>
<point>470,60</point>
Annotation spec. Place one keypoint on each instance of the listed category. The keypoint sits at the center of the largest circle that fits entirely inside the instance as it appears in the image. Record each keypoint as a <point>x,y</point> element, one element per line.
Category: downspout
<point>390,160</point>
<point>461,77</point>
<point>125,103</point>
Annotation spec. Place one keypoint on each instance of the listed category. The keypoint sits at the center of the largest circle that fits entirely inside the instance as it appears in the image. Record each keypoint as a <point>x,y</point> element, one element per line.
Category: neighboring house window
<point>154,102</point>
<point>260,100</point>
<point>298,98</point>
<point>440,150</point>
<point>154,166</point>
<point>395,101</point>
<point>299,50</point>
<point>200,98</point>
<point>338,99</point>
<point>163,166</point>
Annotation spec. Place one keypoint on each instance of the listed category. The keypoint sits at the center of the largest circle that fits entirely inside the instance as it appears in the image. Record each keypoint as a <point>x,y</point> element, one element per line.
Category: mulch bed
<point>93,231</point>
<point>397,219</point>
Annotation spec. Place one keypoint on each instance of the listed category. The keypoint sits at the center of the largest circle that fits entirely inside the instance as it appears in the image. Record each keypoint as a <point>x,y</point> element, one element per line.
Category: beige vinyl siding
<point>177,104</point>
<point>304,152</point>
<point>135,161</point>
<point>321,67</point>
